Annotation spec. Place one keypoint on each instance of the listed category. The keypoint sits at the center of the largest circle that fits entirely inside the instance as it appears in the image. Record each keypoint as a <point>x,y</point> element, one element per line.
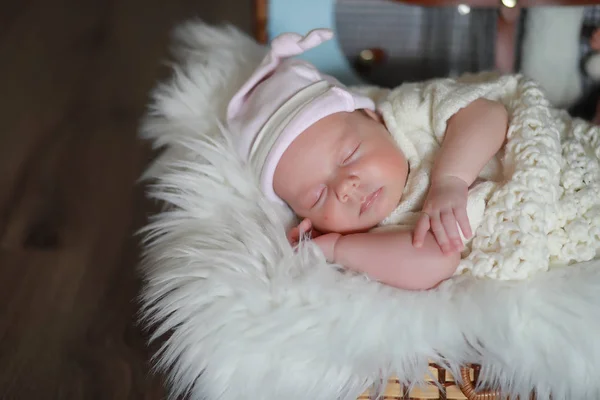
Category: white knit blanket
<point>543,211</point>
<point>240,315</point>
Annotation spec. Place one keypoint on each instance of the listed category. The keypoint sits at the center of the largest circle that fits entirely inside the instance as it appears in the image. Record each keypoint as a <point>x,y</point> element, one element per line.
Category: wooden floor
<point>75,80</point>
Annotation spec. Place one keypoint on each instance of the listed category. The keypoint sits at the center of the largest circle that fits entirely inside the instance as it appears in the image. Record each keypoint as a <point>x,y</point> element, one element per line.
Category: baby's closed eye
<point>319,196</point>
<point>351,154</point>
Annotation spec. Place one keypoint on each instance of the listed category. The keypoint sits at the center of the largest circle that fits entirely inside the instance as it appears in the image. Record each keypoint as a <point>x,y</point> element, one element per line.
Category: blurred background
<point>77,77</point>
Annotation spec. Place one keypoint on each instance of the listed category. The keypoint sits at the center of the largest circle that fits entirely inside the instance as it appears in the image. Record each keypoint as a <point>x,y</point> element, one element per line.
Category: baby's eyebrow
<point>341,144</point>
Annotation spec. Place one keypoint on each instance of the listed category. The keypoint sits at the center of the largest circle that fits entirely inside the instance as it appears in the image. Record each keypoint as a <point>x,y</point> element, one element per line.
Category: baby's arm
<point>473,136</point>
<point>390,258</point>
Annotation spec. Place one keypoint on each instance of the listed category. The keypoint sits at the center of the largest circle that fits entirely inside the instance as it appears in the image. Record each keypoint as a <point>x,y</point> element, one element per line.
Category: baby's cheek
<point>324,223</point>
<point>338,222</point>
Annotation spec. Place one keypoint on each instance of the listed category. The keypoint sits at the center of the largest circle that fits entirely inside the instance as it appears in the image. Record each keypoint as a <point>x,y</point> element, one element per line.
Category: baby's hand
<point>326,242</point>
<point>445,209</point>
<point>296,232</point>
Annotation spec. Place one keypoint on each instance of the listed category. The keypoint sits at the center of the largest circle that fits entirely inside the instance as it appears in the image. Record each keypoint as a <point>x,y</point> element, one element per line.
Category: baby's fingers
<point>421,230</point>
<point>304,226</point>
<point>293,235</point>
<point>449,222</point>
<point>440,233</point>
<point>463,222</point>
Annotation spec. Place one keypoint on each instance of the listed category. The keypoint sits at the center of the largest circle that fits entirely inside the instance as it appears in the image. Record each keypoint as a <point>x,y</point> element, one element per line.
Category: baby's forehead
<point>330,129</point>
<point>327,138</point>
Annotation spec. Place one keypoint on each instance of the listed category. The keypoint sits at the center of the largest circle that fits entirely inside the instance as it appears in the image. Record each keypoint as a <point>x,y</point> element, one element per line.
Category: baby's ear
<point>373,115</point>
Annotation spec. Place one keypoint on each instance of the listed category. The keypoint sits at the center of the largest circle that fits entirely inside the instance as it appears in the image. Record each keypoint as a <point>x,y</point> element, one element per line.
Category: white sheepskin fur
<point>247,318</point>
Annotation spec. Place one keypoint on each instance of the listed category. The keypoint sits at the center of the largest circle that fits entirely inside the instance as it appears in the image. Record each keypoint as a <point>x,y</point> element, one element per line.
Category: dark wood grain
<point>76,77</point>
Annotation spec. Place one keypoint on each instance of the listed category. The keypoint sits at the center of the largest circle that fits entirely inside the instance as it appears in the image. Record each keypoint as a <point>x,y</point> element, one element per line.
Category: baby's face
<point>344,173</point>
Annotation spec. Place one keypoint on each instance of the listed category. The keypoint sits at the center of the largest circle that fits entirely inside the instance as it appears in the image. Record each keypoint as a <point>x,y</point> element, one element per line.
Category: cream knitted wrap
<point>547,210</point>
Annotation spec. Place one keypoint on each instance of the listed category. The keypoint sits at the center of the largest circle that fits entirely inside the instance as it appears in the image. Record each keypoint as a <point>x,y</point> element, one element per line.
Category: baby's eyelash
<point>319,196</point>
<point>351,154</point>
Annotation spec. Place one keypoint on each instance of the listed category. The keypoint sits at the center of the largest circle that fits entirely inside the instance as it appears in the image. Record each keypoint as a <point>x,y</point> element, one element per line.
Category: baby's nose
<point>347,189</point>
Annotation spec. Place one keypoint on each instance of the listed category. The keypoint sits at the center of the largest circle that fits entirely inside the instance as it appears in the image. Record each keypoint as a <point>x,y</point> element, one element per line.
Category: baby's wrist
<point>327,244</point>
<point>447,177</point>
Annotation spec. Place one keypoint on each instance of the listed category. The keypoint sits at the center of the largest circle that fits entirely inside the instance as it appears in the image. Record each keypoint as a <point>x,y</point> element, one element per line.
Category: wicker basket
<point>446,389</point>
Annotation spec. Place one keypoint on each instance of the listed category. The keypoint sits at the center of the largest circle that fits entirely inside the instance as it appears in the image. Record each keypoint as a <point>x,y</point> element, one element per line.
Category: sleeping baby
<point>389,183</point>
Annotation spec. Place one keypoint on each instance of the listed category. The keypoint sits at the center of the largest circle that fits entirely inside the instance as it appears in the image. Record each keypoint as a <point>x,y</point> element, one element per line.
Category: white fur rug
<point>249,319</point>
